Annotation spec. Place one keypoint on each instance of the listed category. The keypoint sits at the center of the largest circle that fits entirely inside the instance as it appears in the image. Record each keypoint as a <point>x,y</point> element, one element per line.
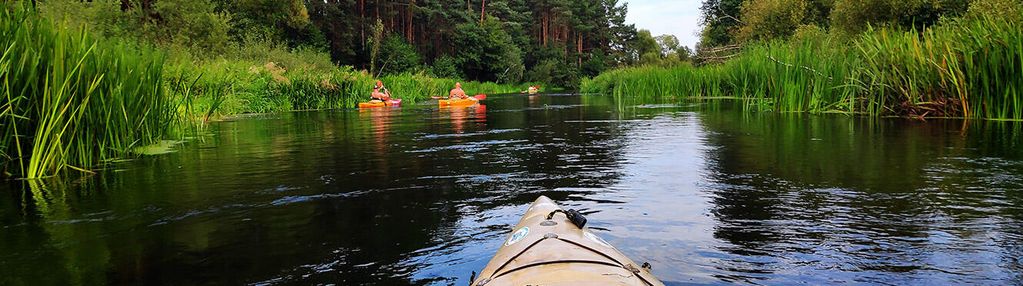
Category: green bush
<point>193,25</point>
<point>554,72</point>
<point>446,67</point>
<point>855,16</point>
<point>771,19</point>
<point>1010,10</point>
<point>487,53</point>
<point>190,23</point>
<point>398,56</point>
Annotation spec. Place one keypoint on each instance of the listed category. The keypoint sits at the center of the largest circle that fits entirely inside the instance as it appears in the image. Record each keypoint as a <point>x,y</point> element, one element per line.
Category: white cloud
<point>674,17</point>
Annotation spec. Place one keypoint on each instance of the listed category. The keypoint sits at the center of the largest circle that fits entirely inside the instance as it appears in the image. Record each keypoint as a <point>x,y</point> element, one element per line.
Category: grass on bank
<point>963,68</point>
<point>72,101</point>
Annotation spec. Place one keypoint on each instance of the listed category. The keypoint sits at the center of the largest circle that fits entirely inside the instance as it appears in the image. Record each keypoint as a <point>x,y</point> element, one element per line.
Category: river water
<point>706,193</point>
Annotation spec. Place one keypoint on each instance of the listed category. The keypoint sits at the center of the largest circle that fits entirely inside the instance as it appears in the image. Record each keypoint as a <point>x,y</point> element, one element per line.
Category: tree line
<point>495,40</point>
<point>552,41</point>
<point>735,22</point>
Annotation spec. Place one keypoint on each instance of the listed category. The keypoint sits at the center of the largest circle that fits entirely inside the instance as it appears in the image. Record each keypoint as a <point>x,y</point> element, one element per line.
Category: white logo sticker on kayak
<point>518,235</point>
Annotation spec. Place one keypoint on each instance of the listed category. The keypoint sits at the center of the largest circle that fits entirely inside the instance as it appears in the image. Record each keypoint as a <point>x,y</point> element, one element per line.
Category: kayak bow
<point>550,246</point>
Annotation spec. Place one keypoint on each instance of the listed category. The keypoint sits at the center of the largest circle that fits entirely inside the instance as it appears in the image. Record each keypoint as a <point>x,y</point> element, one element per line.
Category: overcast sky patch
<point>673,17</point>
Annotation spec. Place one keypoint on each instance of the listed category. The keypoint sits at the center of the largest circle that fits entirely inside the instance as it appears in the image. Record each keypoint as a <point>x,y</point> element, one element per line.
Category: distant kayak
<point>550,246</point>
<point>532,90</point>
<point>378,104</point>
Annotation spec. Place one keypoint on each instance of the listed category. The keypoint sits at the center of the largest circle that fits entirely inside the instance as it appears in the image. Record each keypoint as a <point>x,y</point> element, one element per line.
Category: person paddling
<point>380,93</point>
<point>457,93</point>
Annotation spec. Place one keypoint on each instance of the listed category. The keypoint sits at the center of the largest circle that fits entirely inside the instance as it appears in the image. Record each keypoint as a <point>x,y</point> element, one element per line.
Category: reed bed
<point>967,68</point>
<point>418,87</point>
<point>963,68</point>
<point>70,101</point>
<point>785,77</point>
<point>341,88</point>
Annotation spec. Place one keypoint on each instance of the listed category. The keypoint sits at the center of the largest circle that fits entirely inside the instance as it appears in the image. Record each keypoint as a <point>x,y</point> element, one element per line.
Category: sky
<point>674,17</point>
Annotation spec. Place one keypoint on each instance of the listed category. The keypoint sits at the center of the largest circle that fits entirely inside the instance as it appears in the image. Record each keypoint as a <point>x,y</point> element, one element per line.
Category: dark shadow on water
<point>308,197</point>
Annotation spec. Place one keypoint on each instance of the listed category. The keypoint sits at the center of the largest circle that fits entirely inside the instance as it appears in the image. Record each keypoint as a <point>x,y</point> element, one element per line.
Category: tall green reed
<point>965,68</point>
<point>962,68</point>
<point>70,101</point>
<point>779,76</point>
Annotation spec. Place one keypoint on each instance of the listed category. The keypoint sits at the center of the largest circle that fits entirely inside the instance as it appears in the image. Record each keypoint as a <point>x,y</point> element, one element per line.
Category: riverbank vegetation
<point>962,59</point>
<point>70,101</point>
<point>504,41</point>
<point>91,81</point>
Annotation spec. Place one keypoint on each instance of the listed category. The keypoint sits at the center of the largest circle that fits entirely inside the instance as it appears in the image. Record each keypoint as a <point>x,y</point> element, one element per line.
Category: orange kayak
<point>551,246</point>
<point>377,104</point>
<point>458,102</point>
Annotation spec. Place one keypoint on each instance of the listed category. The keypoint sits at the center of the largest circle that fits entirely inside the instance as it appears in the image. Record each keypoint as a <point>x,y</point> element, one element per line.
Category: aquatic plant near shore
<point>196,103</point>
<point>967,68</point>
<point>778,76</point>
<point>70,101</point>
<point>963,68</point>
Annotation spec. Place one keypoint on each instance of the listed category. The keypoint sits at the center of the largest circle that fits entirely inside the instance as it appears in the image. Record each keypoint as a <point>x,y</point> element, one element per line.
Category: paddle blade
<point>480,96</point>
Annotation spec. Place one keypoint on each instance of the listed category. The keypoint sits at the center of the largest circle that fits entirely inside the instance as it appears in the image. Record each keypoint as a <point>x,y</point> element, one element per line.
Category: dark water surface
<point>705,193</point>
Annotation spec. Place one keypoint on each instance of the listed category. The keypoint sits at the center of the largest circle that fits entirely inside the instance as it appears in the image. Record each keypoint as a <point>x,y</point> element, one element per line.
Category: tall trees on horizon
<point>567,34</point>
<point>554,41</point>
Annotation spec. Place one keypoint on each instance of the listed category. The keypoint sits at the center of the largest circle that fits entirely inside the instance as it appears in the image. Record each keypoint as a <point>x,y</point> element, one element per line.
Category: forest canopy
<point>495,40</point>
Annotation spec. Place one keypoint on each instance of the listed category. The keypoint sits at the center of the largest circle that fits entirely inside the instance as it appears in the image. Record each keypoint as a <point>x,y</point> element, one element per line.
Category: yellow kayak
<point>378,104</point>
<point>457,102</point>
<point>550,246</point>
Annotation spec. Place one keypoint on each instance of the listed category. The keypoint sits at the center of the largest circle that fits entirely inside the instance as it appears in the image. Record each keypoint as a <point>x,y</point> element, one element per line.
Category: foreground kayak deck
<point>557,252</point>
